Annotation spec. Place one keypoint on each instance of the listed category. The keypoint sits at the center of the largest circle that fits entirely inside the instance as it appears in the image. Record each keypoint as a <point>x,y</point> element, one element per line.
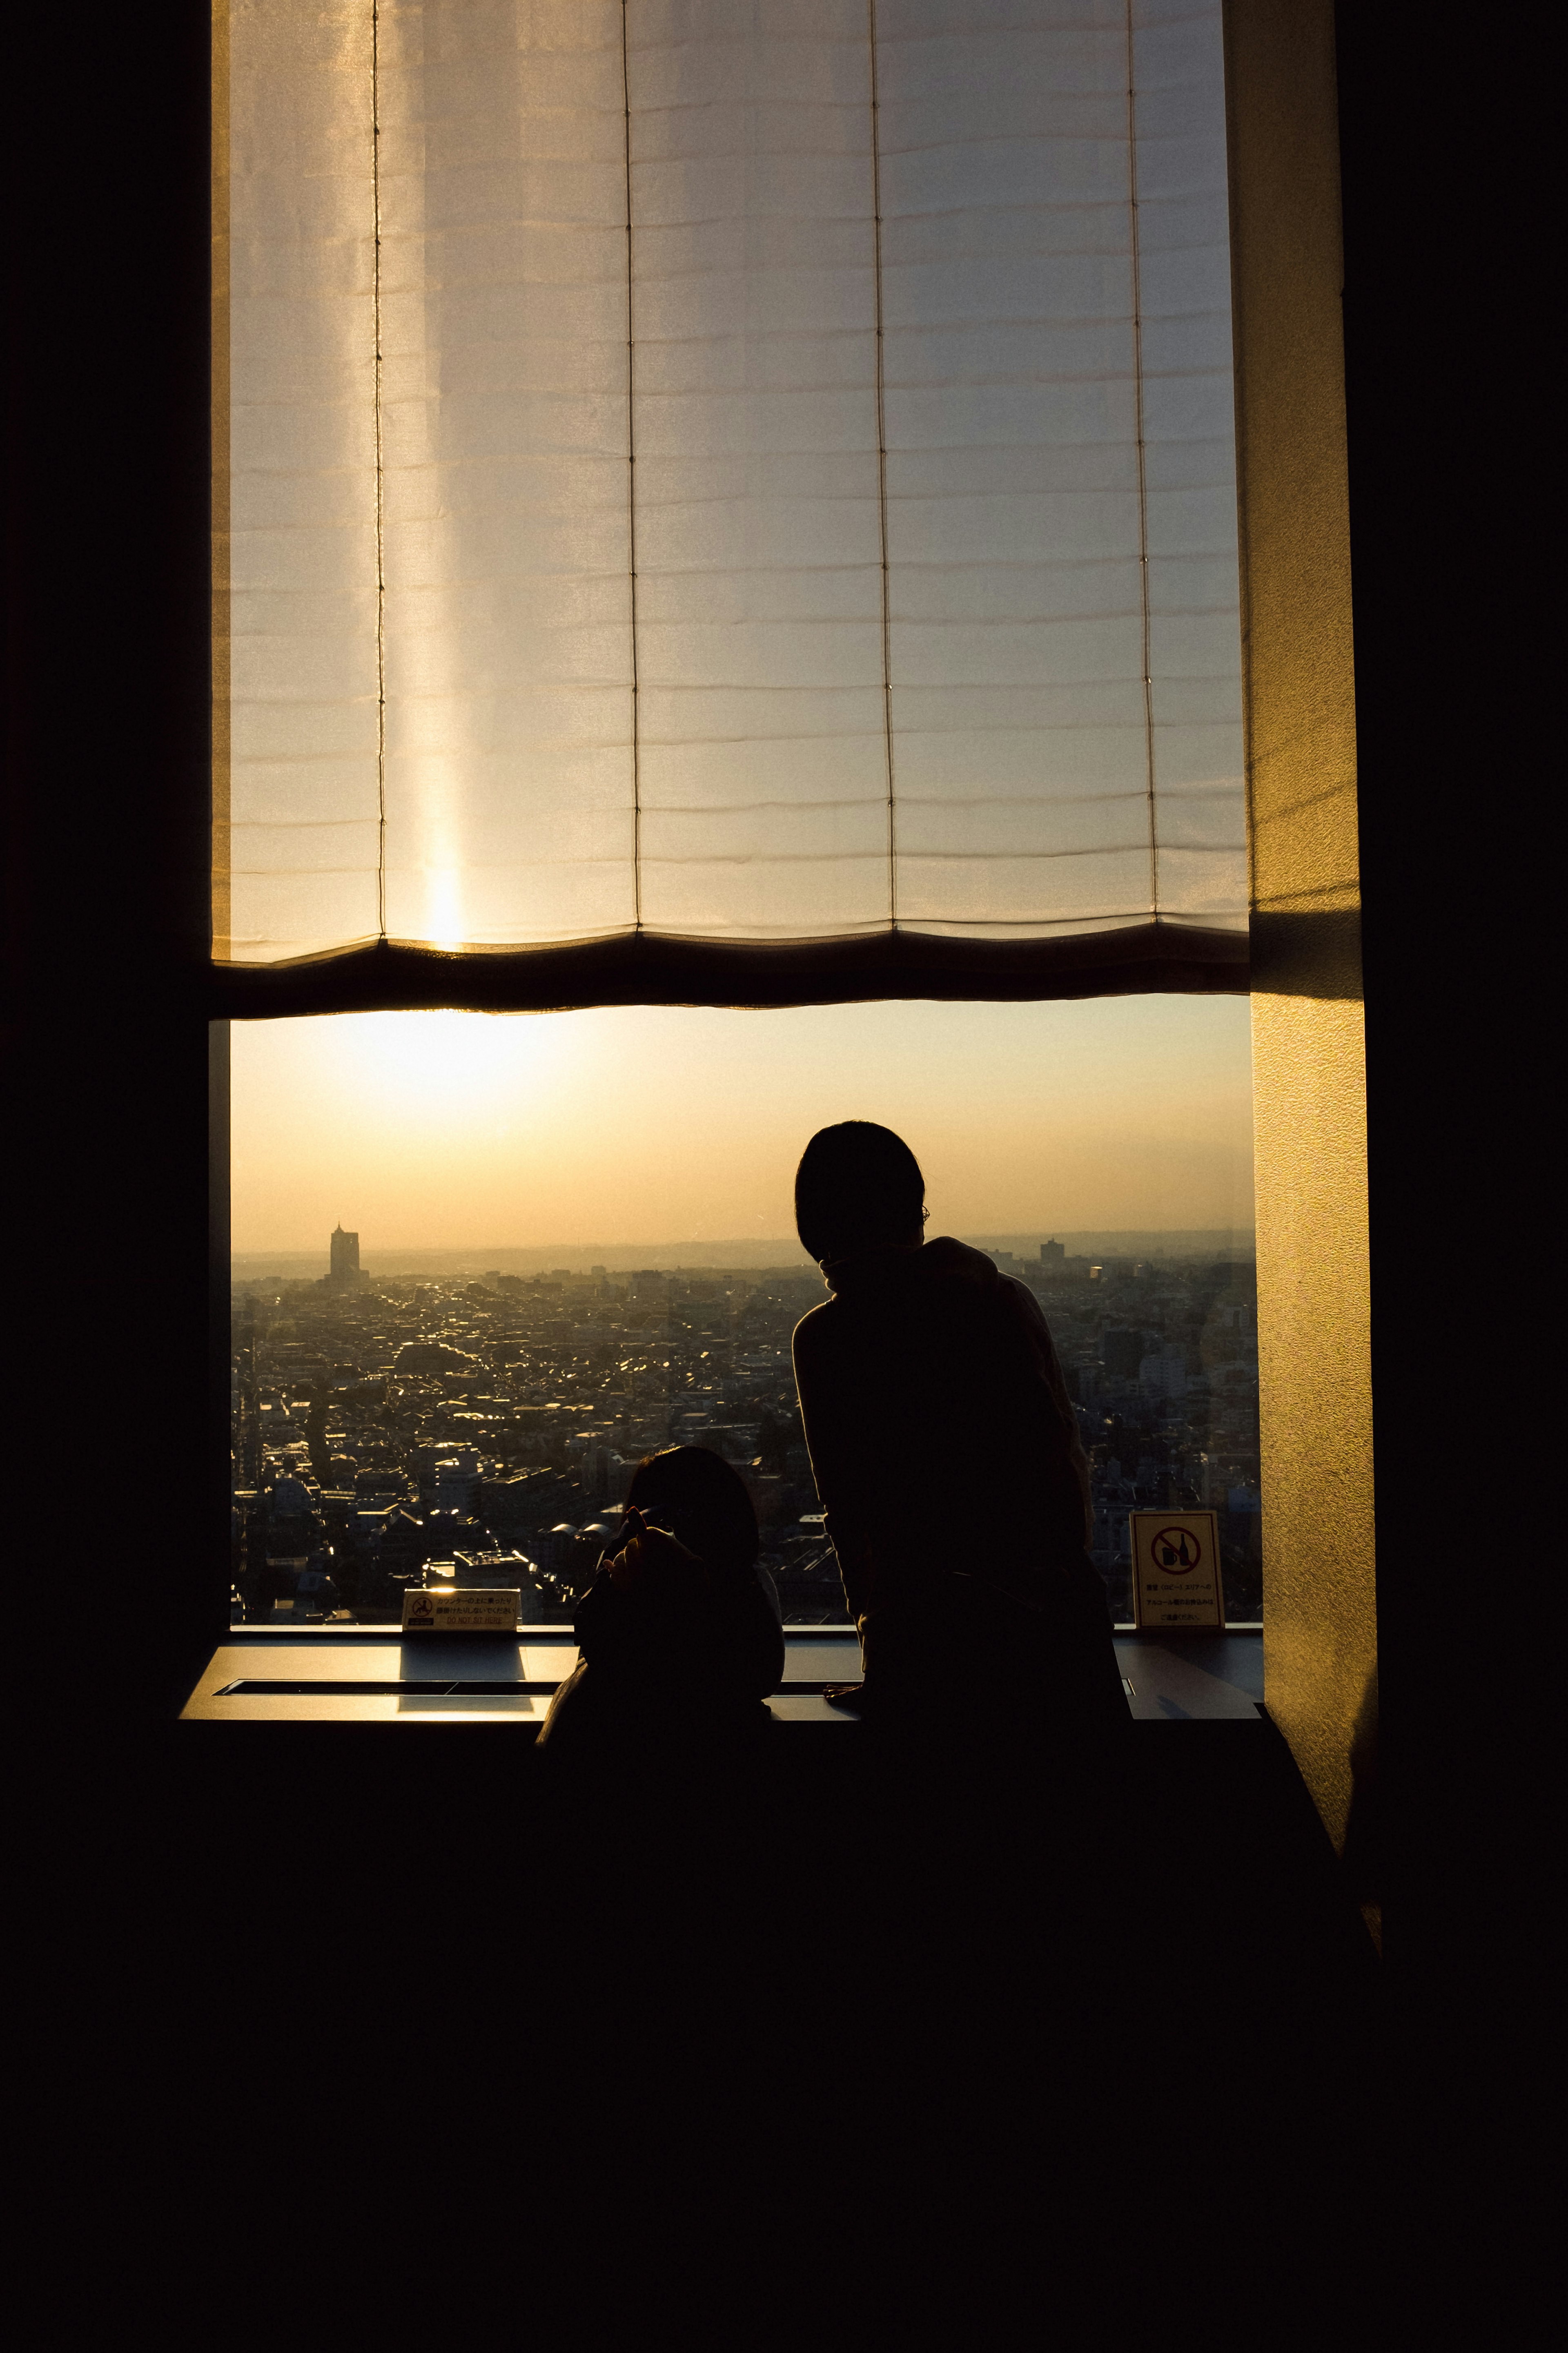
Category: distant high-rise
<point>1053,1254</point>
<point>345,1256</point>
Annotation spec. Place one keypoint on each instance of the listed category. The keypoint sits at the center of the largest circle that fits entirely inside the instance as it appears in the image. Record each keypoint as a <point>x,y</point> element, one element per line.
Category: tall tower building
<point>345,1256</point>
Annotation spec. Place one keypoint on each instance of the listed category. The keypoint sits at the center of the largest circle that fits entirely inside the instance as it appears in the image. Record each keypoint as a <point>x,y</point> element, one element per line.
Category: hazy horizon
<point>578,1135</point>
<point>734,1251</point>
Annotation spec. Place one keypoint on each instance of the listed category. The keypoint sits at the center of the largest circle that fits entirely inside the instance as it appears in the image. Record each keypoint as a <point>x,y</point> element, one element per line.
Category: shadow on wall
<point>1363,1829</point>
<point>1307,953</point>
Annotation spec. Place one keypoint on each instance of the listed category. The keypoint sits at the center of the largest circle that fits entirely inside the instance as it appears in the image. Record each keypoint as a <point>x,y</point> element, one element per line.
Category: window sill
<point>1181,1678</point>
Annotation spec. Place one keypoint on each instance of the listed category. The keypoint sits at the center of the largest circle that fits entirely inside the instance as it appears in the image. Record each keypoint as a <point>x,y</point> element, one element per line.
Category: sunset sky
<point>666,1123</point>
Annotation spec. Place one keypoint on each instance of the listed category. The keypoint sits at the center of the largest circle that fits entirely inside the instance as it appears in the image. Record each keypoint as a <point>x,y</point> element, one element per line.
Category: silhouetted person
<point>947,1458</point>
<point>655,1845</point>
<point>679,1636</point>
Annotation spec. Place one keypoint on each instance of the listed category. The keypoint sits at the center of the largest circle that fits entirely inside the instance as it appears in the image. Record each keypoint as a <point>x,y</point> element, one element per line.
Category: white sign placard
<point>461,1610</point>
<point>1175,1569</point>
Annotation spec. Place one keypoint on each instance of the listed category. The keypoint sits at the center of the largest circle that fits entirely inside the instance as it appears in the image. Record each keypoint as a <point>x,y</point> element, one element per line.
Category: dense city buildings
<point>390,1431</point>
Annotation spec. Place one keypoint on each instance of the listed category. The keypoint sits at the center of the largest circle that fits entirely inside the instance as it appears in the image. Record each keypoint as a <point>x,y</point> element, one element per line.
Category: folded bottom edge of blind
<point>651,969</point>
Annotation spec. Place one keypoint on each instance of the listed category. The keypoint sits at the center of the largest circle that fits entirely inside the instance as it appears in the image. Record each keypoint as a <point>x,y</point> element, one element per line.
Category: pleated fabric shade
<point>739,471</point>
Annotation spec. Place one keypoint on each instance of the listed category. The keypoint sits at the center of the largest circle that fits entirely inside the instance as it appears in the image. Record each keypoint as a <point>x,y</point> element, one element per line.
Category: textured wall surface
<point>1309,1070</point>
<point>1320,1608</point>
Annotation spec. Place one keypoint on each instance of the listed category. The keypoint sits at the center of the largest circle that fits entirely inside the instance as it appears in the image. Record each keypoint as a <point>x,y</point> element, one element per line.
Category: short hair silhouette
<point>858,1186</point>
<point>703,1500</point>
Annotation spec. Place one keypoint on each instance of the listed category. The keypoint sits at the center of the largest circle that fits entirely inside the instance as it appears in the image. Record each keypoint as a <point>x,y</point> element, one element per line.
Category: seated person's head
<point>859,1187</point>
<point>702,1501</point>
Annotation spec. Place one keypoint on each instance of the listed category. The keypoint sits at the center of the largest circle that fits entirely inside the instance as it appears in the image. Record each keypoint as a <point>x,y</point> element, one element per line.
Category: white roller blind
<point>749,472</point>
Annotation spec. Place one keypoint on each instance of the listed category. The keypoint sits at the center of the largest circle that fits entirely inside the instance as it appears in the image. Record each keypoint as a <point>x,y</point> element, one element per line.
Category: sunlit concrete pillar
<point>1319,1636</point>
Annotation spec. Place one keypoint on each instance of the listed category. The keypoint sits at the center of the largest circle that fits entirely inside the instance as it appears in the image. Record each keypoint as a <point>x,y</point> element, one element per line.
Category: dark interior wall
<point>107,845</point>
<point>1443,141</point>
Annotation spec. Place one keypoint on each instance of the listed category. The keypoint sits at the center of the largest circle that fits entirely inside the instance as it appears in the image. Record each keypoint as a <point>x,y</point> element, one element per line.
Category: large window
<point>752,488</point>
<point>483,1265</point>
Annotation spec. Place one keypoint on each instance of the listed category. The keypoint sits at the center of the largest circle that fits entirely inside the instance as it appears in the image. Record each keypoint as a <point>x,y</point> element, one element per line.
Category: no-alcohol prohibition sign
<point>1175,1568</point>
<point>1175,1551</point>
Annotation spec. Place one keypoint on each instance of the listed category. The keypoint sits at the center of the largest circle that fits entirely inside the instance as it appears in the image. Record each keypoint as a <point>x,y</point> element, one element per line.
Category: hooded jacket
<point>941,1434</point>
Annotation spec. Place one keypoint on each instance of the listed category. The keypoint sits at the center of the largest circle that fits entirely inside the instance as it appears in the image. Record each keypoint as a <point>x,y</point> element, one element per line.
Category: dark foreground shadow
<point>1130,2011</point>
<point>852,2018</point>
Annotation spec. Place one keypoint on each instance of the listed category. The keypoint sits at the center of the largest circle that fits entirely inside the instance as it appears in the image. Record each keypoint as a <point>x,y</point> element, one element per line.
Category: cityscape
<point>481,1428</point>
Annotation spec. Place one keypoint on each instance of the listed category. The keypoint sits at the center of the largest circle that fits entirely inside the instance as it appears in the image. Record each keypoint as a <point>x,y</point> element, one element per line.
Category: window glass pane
<point>483,1265</point>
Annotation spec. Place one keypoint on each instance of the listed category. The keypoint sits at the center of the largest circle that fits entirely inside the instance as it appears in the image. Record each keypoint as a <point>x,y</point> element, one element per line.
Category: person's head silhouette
<point>702,1501</point>
<point>859,1187</point>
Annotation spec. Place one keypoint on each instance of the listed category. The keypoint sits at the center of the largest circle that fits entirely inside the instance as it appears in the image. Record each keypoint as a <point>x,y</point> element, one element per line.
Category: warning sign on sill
<point>1175,1569</point>
<point>461,1610</point>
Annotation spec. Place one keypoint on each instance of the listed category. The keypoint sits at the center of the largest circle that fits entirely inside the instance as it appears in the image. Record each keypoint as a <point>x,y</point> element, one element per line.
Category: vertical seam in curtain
<point>380,480</point>
<point>1143,467</point>
<point>632,494</point>
<point>882,469</point>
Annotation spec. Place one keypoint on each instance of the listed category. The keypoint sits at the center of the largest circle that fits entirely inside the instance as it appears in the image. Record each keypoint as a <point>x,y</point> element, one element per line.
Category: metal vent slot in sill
<point>256,1686</point>
<point>295,1688</point>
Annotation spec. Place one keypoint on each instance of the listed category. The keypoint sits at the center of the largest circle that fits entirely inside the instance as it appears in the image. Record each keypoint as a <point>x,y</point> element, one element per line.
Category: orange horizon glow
<point>661,1125</point>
